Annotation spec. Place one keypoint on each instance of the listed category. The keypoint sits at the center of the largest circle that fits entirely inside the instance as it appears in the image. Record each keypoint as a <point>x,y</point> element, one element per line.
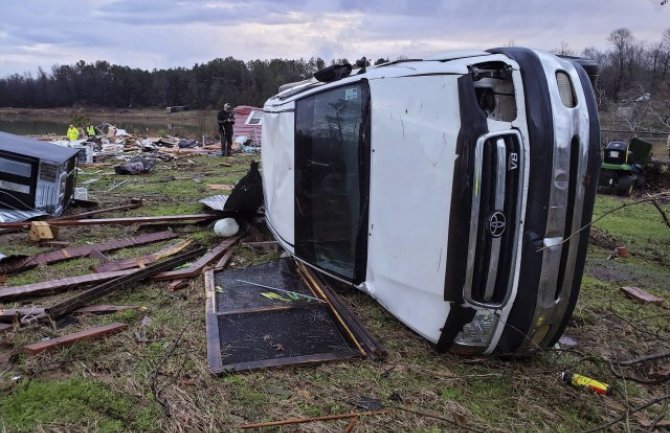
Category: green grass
<point>638,226</point>
<point>486,393</point>
<point>63,402</point>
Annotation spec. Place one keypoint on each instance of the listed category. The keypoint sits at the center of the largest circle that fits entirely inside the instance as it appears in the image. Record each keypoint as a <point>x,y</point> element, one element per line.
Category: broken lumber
<point>11,314</point>
<point>134,203</point>
<point>177,285</point>
<point>69,339</point>
<point>80,300</point>
<point>121,221</point>
<point>142,261</point>
<point>200,264</point>
<point>372,347</point>
<point>83,251</point>
<point>641,295</point>
<point>55,286</point>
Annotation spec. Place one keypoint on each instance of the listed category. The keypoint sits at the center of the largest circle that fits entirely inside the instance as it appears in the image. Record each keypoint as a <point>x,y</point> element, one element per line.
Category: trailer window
<point>331,170</point>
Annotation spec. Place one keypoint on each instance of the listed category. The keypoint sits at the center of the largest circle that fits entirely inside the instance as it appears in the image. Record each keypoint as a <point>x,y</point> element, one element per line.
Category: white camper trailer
<point>446,188</point>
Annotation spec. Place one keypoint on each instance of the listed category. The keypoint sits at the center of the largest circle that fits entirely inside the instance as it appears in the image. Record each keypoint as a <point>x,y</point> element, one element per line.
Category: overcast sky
<point>165,33</point>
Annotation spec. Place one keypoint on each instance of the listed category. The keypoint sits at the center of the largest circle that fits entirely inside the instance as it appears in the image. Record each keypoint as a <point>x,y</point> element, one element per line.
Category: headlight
<point>479,331</point>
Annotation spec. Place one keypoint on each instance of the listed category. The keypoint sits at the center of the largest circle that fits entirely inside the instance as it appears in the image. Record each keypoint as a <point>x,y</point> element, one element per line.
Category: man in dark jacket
<point>226,120</point>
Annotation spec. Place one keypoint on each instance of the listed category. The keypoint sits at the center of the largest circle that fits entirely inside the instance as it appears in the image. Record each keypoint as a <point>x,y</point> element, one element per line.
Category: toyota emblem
<point>496,224</point>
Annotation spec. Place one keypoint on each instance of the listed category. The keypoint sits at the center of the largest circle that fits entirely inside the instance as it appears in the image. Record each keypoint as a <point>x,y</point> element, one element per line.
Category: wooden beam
<point>69,339</point>
<point>121,221</point>
<point>138,262</point>
<point>197,266</point>
<point>134,203</point>
<point>641,295</point>
<point>83,251</point>
<point>80,300</point>
<point>55,286</point>
<point>11,314</point>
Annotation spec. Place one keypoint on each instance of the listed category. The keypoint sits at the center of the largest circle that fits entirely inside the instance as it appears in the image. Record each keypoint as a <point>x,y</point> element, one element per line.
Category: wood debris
<point>641,295</point>
<point>69,339</point>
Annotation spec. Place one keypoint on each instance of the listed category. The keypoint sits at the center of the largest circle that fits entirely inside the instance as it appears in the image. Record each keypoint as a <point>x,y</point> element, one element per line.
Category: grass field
<point>153,377</point>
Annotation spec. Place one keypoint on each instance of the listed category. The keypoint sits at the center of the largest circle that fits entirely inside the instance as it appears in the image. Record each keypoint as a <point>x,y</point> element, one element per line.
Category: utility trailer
<point>447,188</point>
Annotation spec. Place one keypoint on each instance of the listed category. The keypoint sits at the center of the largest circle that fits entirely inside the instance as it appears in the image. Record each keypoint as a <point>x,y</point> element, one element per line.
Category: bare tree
<point>564,50</point>
<point>623,42</point>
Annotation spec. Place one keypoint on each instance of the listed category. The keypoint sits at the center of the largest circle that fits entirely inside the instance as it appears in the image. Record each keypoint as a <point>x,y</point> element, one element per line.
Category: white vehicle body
<point>416,181</point>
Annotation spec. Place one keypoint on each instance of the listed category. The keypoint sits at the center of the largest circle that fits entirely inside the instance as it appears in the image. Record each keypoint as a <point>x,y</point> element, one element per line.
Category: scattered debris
<point>120,221</point>
<point>196,267</point>
<point>140,262</point>
<point>5,328</point>
<point>136,165</point>
<point>641,295</point>
<point>83,251</point>
<point>44,288</point>
<point>14,314</point>
<point>80,300</point>
<point>69,339</point>
<point>580,381</point>
<point>215,202</point>
<point>41,231</point>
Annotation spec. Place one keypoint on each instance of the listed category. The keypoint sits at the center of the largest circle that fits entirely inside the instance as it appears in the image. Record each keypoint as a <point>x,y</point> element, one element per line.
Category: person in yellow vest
<point>90,131</point>
<point>72,133</point>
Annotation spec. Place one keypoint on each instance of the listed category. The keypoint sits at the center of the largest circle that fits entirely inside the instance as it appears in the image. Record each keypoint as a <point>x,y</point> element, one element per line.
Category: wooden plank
<point>139,262</point>
<point>56,286</point>
<point>220,187</point>
<point>178,285</point>
<point>84,250</point>
<point>11,314</point>
<point>121,221</point>
<point>212,325</point>
<point>200,264</point>
<point>294,360</point>
<point>69,339</point>
<point>80,300</point>
<point>104,309</point>
<point>641,295</point>
<point>134,203</point>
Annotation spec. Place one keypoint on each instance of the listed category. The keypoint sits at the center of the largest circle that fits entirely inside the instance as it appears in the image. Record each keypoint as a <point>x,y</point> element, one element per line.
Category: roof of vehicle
<point>455,62</point>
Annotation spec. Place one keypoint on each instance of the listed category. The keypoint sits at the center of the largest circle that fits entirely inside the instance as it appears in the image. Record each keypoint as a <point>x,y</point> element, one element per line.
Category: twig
<point>154,379</point>
<point>628,413</point>
<point>660,415</point>
<point>313,419</point>
<point>441,418</point>
<point>645,358</point>
<point>661,211</point>
<point>651,198</point>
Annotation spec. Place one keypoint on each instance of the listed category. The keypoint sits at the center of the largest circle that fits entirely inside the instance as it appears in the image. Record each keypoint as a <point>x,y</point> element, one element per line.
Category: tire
<point>625,185</point>
<point>640,182</point>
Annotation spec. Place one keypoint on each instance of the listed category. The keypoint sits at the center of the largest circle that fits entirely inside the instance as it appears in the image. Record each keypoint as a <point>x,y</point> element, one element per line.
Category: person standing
<point>90,131</point>
<point>226,120</point>
<point>72,133</point>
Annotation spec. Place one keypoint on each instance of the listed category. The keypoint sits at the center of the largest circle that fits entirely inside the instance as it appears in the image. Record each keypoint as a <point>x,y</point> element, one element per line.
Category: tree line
<point>629,69</point>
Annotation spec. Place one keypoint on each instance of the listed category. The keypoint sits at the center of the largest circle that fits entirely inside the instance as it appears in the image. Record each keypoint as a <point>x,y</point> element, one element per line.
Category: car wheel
<point>640,182</point>
<point>625,185</point>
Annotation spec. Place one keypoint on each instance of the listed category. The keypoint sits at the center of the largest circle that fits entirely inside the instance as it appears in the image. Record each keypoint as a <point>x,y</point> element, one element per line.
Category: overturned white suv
<point>447,188</point>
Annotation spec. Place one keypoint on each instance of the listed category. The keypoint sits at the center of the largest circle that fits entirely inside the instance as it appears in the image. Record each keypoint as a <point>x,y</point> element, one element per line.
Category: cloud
<point>167,33</point>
